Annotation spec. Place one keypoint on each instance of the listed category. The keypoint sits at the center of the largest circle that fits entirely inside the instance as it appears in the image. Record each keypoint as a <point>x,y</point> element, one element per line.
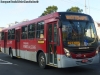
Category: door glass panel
<point>50,32</point>
<point>55,46</point>
<point>55,33</point>
<point>51,53</point>
<point>55,54</point>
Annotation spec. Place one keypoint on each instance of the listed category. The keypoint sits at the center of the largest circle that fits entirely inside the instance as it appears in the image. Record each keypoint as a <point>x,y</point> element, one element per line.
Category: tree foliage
<point>49,10</point>
<point>75,9</point>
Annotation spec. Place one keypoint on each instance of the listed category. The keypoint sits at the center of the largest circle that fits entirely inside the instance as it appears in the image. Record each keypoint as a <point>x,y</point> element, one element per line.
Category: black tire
<point>42,60</point>
<point>11,54</point>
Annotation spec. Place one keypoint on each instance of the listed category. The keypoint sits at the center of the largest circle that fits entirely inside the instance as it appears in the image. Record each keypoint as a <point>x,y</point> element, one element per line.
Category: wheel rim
<point>42,61</point>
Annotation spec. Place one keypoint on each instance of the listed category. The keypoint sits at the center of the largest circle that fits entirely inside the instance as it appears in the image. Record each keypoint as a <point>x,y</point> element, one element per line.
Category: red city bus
<point>60,39</point>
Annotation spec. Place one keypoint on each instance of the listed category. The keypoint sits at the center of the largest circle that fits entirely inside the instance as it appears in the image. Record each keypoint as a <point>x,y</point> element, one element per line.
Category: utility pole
<point>89,6</point>
<point>85,7</point>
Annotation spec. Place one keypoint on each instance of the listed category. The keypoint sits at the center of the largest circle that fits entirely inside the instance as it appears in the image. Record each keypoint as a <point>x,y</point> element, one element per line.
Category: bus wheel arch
<point>41,59</point>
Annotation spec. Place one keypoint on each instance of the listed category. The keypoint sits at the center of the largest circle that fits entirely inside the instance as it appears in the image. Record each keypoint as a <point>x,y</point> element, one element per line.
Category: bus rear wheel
<point>42,60</point>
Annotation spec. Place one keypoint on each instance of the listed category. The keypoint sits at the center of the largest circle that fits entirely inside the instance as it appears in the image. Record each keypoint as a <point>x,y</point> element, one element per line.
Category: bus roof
<point>40,19</point>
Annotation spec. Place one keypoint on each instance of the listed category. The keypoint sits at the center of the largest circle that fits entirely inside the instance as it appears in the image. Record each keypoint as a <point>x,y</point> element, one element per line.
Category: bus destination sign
<point>76,17</point>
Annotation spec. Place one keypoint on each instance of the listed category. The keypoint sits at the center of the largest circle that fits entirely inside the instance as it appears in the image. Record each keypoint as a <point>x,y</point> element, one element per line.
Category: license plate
<point>84,60</point>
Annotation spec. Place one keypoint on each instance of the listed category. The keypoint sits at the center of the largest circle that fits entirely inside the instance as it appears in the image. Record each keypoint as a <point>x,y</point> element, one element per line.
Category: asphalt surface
<point>10,66</point>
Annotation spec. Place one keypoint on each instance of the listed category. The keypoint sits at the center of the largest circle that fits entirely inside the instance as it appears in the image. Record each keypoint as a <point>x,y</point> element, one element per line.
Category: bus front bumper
<point>70,62</point>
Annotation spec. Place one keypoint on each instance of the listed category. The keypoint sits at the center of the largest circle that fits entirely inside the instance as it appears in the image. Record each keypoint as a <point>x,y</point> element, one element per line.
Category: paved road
<point>10,66</point>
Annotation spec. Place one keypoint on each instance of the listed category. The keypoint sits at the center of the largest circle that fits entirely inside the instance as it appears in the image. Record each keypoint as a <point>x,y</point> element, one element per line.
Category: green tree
<point>49,10</point>
<point>75,9</point>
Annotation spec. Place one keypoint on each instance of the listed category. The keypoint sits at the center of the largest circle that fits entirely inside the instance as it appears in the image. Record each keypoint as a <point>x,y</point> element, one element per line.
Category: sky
<point>11,12</point>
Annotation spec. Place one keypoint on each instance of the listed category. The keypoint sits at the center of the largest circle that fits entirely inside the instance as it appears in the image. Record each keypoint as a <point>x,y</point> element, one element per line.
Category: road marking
<point>4,62</point>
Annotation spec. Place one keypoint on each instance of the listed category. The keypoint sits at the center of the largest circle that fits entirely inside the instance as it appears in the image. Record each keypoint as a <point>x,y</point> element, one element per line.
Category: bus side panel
<point>2,46</point>
<point>10,44</point>
<point>28,50</point>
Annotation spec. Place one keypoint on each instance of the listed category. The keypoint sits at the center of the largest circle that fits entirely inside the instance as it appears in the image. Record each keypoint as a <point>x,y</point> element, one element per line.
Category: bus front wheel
<point>42,60</point>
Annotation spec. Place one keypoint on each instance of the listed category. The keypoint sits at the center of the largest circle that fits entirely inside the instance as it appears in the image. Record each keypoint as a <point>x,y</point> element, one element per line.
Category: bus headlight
<point>97,51</point>
<point>67,52</point>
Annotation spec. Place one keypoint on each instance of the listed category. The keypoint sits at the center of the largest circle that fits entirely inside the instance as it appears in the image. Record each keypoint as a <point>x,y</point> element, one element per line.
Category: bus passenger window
<point>31,31</point>
<point>40,30</point>
<point>2,35</point>
<point>11,34</point>
<point>41,34</point>
<point>24,32</point>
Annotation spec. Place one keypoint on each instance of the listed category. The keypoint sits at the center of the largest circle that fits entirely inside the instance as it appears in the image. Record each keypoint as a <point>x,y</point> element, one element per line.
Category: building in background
<point>16,22</point>
<point>11,24</point>
<point>1,28</point>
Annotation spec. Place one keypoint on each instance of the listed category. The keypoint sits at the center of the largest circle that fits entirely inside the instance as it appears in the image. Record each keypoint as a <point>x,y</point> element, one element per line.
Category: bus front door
<point>52,43</point>
<point>18,43</point>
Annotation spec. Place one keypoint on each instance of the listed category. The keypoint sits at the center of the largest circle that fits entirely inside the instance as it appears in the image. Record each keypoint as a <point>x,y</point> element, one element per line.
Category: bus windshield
<point>78,33</point>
